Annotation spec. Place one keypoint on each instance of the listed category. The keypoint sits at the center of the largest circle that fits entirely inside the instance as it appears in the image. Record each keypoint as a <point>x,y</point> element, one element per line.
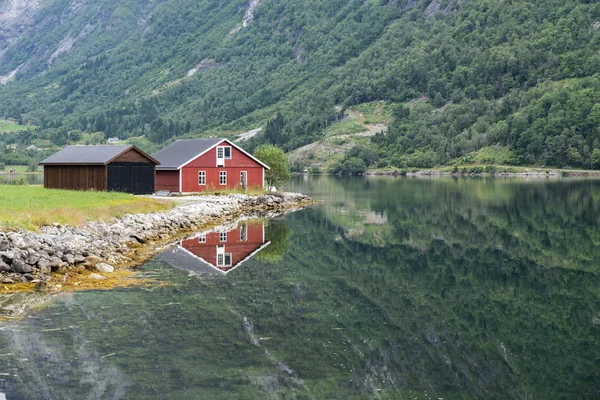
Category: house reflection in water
<point>218,251</point>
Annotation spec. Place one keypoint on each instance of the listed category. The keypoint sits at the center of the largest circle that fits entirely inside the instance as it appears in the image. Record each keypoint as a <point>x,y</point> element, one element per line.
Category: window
<point>224,260</point>
<point>201,177</point>
<point>223,237</point>
<point>227,151</point>
<point>202,239</point>
<point>224,152</point>
<point>223,177</point>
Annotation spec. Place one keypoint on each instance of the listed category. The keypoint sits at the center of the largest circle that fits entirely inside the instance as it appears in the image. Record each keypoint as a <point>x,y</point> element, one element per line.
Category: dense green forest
<point>459,76</point>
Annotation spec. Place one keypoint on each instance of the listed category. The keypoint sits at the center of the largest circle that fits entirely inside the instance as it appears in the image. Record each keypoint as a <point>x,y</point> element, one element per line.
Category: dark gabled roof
<point>183,259</point>
<point>183,151</point>
<point>99,155</point>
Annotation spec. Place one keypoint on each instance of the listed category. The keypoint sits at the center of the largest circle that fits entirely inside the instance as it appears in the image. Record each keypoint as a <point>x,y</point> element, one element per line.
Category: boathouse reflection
<point>220,250</point>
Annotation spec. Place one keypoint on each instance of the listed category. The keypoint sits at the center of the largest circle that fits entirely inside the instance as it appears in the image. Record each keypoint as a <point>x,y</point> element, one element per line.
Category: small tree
<point>275,158</point>
<point>32,166</point>
<point>596,159</point>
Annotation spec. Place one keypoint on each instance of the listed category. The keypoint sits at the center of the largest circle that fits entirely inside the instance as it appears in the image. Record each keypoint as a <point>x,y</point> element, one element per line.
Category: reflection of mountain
<point>451,306</point>
<point>220,250</point>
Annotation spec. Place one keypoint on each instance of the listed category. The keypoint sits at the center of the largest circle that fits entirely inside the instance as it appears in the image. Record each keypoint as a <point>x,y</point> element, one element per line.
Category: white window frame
<point>223,259</point>
<point>221,156</point>
<point>202,174</point>
<point>222,236</point>
<point>225,152</point>
<point>222,174</point>
<point>202,239</point>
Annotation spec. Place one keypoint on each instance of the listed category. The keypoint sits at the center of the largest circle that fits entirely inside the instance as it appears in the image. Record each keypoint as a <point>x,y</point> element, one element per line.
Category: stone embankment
<point>525,174</point>
<point>98,246</point>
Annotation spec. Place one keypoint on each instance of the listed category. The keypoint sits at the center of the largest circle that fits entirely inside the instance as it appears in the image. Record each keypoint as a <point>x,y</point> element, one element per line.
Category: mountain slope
<point>517,74</point>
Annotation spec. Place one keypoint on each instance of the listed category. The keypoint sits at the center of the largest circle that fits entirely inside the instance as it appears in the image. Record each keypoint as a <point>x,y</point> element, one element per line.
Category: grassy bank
<point>30,207</point>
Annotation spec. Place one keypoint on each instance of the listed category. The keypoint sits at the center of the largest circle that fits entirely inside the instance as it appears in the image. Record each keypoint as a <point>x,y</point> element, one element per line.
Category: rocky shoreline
<point>435,173</point>
<point>98,246</point>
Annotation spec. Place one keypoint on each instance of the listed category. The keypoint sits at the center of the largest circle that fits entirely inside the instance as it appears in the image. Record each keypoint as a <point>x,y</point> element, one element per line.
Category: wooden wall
<point>131,156</point>
<point>167,180</point>
<point>189,179</point>
<point>75,177</point>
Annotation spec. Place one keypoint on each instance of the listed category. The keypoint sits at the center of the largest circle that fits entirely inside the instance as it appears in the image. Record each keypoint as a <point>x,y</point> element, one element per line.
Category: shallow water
<point>19,178</point>
<point>391,288</point>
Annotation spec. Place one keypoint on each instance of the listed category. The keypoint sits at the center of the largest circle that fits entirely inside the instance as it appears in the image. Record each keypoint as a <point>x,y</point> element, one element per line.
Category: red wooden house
<point>220,250</point>
<point>196,165</point>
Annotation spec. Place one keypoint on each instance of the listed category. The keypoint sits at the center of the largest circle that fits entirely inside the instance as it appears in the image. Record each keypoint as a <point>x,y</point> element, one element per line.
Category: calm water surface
<point>29,178</point>
<point>390,289</point>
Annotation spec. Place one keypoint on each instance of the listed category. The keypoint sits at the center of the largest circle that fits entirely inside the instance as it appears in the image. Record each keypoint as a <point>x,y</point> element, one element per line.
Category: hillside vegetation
<point>456,76</point>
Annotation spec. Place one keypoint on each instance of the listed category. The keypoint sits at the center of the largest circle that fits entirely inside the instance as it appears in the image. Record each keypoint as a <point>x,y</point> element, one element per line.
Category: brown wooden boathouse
<point>103,168</point>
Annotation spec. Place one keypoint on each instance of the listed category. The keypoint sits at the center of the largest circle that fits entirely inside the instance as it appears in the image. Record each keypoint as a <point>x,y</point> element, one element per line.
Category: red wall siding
<point>239,249</point>
<point>167,180</point>
<point>190,178</point>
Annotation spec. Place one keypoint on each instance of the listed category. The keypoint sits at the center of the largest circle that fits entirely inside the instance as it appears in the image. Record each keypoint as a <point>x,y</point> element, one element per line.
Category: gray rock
<point>103,267</point>
<point>97,277</point>
<point>55,262</point>
<point>20,266</point>
<point>43,286</point>
<point>4,245</point>
<point>33,259</point>
<point>44,265</point>
<point>8,256</point>
<point>4,267</point>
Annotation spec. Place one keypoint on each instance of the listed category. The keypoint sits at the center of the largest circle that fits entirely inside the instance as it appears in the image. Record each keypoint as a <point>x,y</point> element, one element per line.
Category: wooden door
<point>244,179</point>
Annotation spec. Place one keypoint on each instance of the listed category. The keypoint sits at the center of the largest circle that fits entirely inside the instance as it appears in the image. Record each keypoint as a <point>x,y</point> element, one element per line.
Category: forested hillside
<point>516,81</point>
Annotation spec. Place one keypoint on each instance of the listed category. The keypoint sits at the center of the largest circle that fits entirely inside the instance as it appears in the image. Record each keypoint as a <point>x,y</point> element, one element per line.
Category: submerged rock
<point>103,267</point>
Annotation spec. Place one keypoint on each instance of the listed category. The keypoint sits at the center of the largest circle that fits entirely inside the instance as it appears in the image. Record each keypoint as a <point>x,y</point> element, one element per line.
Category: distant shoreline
<point>500,174</point>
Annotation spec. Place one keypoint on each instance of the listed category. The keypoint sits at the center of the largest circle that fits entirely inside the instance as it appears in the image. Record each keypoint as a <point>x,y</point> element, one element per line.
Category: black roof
<point>182,151</point>
<point>181,259</point>
<point>101,154</point>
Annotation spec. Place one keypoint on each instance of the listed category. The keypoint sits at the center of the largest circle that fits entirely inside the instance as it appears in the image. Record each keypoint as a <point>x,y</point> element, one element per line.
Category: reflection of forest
<point>550,223</point>
<point>457,301</point>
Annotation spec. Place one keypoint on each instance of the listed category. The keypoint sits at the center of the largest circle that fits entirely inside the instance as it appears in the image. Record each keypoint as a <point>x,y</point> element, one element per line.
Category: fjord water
<point>391,288</point>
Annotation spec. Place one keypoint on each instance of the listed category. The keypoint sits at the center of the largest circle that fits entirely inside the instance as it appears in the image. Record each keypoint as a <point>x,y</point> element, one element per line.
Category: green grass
<point>10,126</point>
<point>375,112</point>
<point>20,169</point>
<point>30,207</point>
<point>487,155</point>
<point>345,127</point>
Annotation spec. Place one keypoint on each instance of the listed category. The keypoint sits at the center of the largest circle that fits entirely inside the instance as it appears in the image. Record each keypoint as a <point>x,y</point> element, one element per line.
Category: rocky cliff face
<point>16,16</point>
